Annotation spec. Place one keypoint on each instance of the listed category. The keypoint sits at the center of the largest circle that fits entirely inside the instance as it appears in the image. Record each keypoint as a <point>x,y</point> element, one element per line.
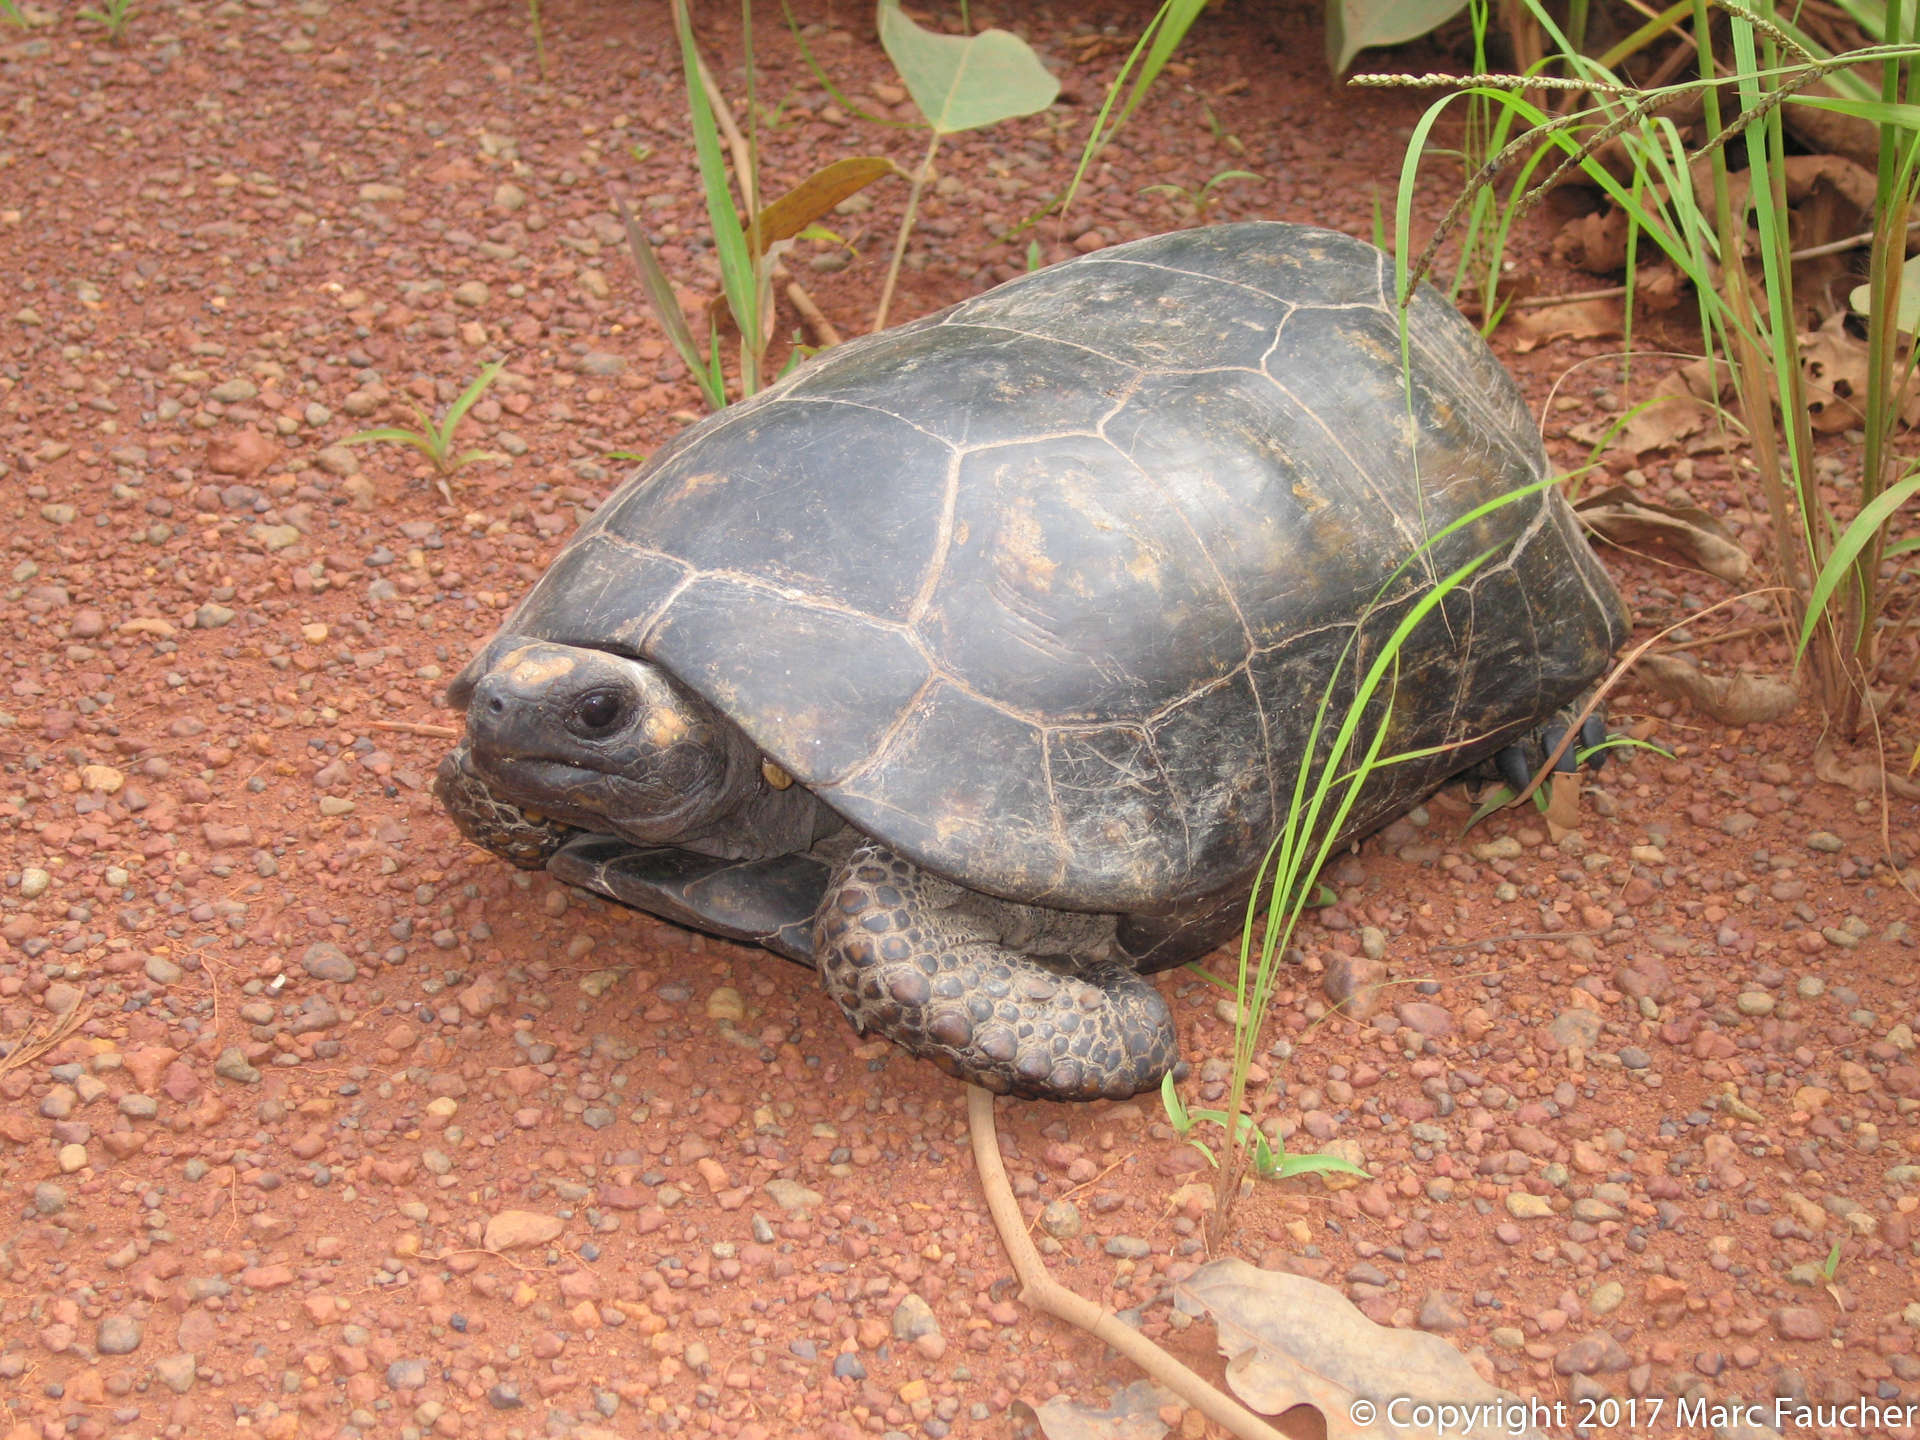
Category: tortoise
<point>973,663</point>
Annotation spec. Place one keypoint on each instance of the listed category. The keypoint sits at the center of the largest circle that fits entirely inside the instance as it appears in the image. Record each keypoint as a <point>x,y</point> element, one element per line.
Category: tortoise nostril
<point>496,705</point>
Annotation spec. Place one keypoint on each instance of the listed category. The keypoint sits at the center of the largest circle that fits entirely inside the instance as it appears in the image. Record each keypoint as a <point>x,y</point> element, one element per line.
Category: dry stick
<point>417,727</point>
<point>1043,1292</point>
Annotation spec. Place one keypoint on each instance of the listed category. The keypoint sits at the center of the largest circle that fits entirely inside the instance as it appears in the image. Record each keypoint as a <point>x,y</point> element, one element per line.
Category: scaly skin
<point>491,823</point>
<point>915,958</point>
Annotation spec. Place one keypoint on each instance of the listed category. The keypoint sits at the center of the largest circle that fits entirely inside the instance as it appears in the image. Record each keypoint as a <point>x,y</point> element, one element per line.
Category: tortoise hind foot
<point>920,961</point>
<point>1517,763</point>
<point>492,823</point>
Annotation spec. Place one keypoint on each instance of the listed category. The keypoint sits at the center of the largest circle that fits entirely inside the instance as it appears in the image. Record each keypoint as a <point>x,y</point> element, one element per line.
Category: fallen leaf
<point>1563,805</point>
<point>1865,776</point>
<point>1133,1415</point>
<point>1669,415</point>
<point>1291,1341</point>
<point>1742,699</point>
<point>1625,517</point>
<point>1575,320</point>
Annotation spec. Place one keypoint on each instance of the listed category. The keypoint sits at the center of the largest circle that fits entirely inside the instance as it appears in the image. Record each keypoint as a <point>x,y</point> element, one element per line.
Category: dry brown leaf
<point>1864,776</point>
<point>1563,805</point>
<point>1596,242</point>
<point>1133,1415</point>
<point>1291,1341</point>
<point>1625,517</point>
<point>1742,699</point>
<point>1576,320</point>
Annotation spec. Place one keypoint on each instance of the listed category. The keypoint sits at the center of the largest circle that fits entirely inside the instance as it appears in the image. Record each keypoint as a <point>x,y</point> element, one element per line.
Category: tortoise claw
<point>1513,767</point>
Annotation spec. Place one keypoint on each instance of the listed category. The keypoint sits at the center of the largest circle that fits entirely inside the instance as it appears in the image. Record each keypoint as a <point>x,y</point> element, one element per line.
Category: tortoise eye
<point>598,712</point>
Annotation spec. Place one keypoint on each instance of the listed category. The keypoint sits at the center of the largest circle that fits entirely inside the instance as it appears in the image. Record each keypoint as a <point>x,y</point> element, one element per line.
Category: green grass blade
<point>1853,540</point>
<point>391,434</point>
<point>729,239</point>
<point>458,410</point>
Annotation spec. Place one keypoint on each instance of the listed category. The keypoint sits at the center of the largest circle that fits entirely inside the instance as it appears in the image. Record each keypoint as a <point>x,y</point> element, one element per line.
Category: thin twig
<point>417,727</point>
<point>1040,1290</point>
<point>1768,627</point>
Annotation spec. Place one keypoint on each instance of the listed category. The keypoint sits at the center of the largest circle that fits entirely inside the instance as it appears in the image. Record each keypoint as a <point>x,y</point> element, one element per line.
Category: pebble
<point>519,1229</point>
<point>793,1197</point>
<point>34,882</point>
<point>406,1374</point>
<point>324,960</point>
<point>234,1065</point>
<point>119,1334</point>
<point>913,1318</point>
<point>1061,1219</point>
<point>176,1372</point>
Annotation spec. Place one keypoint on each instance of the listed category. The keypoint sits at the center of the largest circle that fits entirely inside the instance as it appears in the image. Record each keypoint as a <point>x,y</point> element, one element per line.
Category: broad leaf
<point>962,82</point>
<point>1355,25</point>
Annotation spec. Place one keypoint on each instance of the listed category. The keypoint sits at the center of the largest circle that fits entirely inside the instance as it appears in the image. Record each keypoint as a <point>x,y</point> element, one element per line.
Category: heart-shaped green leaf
<point>1354,25</point>
<point>962,82</point>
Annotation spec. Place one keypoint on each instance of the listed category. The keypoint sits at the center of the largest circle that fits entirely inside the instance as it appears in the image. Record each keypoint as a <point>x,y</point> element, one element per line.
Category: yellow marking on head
<point>778,778</point>
<point>664,726</point>
<point>533,668</point>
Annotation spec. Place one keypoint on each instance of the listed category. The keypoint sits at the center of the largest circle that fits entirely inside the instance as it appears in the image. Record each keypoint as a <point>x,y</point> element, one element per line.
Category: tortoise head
<point>604,742</point>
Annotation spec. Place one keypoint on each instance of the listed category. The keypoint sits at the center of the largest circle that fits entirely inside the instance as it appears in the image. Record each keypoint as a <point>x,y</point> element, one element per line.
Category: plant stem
<point>1039,1289</point>
<point>906,227</point>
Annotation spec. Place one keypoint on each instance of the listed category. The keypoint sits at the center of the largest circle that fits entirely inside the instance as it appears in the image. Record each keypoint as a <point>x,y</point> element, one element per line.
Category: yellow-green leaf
<point>962,82</point>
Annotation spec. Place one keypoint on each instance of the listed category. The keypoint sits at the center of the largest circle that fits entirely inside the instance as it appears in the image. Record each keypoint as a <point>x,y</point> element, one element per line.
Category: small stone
<point>176,1372</point>
<point>1424,1018</point>
<point>1128,1247</point>
<point>505,1396</point>
<point>508,197</point>
<point>726,1003</point>
<point>1440,1313</point>
<point>1061,1219</point>
<point>71,1159</point>
<point>244,453</point>
<point>1606,1298</point>
<point>163,971</point>
<point>1575,1029</point>
<point>34,882</point>
<point>1524,1205</point>
<point>406,1374</point>
<point>792,1196</point>
<point>48,1198</point>
<point>518,1229</point>
<point>471,293</point>
<point>233,1065</point>
<point>324,960</point>
<point>1798,1322</point>
<point>119,1335</point>
<point>913,1317</point>
<point>1754,1002</point>
<point>1591,1355</point>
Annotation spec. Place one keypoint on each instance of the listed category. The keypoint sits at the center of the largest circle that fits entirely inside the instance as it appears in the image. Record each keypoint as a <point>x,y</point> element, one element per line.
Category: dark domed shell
<point>1044,591</point>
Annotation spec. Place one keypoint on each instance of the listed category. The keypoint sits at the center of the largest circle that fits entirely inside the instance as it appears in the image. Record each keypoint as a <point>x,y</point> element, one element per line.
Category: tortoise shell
<point>1044,591</point>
